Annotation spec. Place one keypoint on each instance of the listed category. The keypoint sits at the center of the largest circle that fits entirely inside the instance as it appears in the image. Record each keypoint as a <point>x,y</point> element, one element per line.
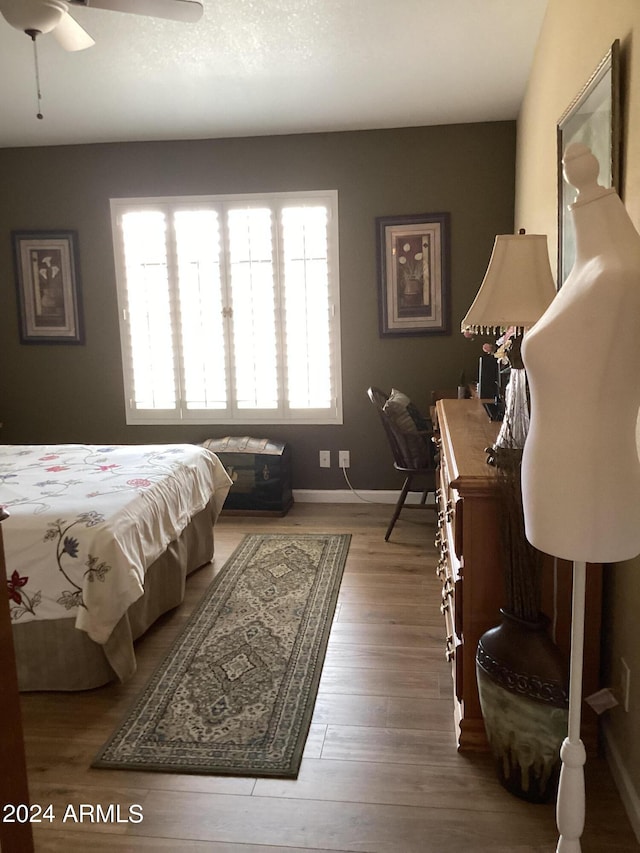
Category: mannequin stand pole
<point>570,807</point>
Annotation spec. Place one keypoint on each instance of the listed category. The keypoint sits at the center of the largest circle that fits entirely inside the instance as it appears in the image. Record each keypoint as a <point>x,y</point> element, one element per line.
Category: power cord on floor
<point>357,494</point>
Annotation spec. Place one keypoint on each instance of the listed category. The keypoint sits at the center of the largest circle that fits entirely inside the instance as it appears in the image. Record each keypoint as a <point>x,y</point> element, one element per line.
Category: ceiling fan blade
<point>186,11</point>
<point>70,35</point>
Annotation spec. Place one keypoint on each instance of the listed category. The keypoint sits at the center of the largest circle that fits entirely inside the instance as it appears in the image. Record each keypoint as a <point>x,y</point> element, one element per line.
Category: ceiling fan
<point>36,17</point>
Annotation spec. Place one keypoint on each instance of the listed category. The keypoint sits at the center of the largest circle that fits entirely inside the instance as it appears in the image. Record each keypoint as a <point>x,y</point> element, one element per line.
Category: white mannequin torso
<point>580,467</point>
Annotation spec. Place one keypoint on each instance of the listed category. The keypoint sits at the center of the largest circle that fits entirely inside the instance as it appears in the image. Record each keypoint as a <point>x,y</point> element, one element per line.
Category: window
<point>229,308</point>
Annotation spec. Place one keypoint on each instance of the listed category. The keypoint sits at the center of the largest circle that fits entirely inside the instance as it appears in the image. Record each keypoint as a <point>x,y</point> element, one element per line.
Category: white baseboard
<point>624,784</point>
<point>346,496</point>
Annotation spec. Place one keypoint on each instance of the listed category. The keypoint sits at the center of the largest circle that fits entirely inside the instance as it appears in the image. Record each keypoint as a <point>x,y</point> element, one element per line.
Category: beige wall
<point>574,37</point>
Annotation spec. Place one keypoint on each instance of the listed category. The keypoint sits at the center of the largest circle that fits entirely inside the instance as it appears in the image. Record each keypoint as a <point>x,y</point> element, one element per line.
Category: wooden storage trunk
<point>261,472</point>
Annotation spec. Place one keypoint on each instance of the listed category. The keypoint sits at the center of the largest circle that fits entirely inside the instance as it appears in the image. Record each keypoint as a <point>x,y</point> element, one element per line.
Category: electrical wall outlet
<point>625,684</point>
<point>344,458</point>
<point>325,459</point>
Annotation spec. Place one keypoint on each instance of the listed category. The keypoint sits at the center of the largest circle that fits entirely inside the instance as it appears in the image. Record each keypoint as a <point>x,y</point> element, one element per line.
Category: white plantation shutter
<point>251,272</point>
<point>148,310</point>
<point>229,308</point>
<point>307,307</point>
<point>198,253</point>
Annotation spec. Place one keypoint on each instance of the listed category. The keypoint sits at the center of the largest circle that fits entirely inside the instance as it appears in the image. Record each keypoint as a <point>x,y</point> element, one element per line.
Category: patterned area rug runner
<point>235,694</point>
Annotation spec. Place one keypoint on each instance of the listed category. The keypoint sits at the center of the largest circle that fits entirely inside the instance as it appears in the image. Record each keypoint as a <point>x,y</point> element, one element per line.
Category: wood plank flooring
<point>380,773</point>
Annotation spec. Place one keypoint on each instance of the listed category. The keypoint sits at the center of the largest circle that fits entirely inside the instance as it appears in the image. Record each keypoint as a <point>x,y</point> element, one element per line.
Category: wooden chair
<point>414,453</point>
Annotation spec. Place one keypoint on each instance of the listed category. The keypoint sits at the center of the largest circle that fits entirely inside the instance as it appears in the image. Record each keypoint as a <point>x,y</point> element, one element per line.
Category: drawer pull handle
<point>444,607</point>
<point>450,651</point>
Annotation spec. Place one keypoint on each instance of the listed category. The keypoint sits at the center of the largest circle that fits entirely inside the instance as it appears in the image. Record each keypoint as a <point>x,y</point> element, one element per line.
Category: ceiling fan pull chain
<point>33,34</point>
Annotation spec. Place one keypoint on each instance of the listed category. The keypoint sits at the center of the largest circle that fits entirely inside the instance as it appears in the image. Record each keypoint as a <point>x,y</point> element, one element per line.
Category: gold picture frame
<point>48,285</point>
<point>413,274</point>
<point>592,118</point>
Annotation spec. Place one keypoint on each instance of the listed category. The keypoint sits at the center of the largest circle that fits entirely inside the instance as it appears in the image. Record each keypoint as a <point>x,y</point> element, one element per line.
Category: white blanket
<point>87,521</point>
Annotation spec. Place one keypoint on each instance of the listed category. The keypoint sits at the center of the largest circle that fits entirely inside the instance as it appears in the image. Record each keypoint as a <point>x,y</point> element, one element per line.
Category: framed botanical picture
<point>413,270</point>
<point>47,279</point>
<point>592,118</point>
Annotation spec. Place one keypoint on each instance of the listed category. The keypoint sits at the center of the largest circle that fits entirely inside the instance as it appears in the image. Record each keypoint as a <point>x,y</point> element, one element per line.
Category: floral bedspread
<point>87,521</point>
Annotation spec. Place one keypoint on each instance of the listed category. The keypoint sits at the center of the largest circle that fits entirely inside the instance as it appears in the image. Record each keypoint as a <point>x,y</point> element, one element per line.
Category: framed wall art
<point>413,271</point>
<point>47,279</point>
<point>592,118</point>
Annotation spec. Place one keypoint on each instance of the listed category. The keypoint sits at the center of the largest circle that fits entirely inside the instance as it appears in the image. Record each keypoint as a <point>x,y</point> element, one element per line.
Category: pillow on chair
<point>404,414</point>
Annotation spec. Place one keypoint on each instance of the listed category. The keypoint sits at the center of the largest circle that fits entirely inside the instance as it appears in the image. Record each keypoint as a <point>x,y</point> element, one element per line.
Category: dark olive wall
<point>75,393</point>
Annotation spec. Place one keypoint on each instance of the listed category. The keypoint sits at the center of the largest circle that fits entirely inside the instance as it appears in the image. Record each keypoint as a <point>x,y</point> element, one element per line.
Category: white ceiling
<point>260,67</point>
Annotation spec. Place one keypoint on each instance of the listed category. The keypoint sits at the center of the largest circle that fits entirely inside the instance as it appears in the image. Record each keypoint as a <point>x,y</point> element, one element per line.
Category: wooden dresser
<point>470,566</point>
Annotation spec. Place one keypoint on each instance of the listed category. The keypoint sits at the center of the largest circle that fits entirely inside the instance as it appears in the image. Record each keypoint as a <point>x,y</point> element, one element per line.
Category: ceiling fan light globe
<point>41,15</point>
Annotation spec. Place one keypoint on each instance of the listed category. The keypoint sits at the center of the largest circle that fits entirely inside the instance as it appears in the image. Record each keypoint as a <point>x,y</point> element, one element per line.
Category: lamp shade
<point>517,288</point>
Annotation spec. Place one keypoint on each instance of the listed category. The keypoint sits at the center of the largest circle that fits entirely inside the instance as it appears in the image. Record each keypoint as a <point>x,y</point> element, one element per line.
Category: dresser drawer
<point>470,567</point>
<point>451,507</point>
<point>448,567</point>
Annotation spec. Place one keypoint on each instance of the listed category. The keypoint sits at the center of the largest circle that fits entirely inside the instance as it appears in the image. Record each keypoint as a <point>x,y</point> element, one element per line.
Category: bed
<point>98,544</point>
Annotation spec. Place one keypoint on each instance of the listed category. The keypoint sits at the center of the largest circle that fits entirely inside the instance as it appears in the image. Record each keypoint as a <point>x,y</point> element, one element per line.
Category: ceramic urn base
<point>523,689</point>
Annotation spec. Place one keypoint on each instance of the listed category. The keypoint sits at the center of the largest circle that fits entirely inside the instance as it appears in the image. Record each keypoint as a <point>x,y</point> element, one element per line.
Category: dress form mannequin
<point>580,466</point>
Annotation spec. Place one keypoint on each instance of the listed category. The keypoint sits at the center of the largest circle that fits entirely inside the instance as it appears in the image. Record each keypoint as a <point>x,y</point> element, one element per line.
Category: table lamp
<point>516,290</point>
